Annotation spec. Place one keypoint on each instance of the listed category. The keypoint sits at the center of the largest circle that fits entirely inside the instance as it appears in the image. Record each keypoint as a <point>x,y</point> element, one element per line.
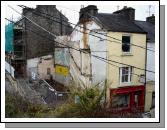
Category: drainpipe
<point>145,73</point>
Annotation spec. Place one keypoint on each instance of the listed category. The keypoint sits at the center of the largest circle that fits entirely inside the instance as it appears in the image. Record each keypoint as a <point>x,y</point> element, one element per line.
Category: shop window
<point>136,100</point>
<point>120,101</point>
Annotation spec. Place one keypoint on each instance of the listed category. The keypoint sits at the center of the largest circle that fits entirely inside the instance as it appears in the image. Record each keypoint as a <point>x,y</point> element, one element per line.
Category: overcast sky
<point>72,11</point>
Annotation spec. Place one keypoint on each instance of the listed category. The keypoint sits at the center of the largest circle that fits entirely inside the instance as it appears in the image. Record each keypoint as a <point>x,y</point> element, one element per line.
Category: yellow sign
<point>62,70</point>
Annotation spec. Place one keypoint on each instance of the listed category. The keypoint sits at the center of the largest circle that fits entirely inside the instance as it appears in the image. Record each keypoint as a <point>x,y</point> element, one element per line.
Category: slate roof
<point>117,23</point>
<point>149,28</point>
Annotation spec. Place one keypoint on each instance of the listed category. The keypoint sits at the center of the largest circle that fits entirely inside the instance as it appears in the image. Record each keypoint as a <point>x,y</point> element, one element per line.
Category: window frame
<point>130,70</point>
<point>130,48</point>
<point>126,98</point>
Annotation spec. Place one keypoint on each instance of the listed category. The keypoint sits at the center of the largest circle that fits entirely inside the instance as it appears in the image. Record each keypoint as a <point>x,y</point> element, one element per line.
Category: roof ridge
<point>118,22</point>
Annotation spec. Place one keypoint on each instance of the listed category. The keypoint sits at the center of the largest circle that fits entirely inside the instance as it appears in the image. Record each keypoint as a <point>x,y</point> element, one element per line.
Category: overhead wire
<point>108,35</point>
<point>118,40</point>
<point>100,58</point>
<point>79,49</point>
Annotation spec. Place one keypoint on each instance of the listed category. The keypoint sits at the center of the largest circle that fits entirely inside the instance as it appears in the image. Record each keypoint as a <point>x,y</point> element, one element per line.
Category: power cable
<point>100,58</point>
<point>120,41</point>
<point>79,49</point>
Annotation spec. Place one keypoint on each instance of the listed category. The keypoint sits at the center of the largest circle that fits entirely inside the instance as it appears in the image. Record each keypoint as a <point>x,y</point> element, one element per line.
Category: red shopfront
<point>128,98</point>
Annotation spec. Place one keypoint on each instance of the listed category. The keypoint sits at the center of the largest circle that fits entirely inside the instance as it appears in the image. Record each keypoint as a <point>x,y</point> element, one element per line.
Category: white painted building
<point>150,61</point>
<point>94,68</point>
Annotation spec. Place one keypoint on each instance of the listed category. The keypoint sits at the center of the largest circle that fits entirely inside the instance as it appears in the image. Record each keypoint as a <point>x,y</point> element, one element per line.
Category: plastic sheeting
<point>9,69</point>
<point>9,37</point>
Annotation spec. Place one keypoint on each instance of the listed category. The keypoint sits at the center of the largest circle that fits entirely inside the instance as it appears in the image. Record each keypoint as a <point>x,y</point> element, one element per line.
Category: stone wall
<point>38,42</point>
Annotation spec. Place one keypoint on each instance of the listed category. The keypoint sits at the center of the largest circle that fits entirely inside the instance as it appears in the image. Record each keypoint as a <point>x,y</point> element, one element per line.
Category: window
<point>126,43</point>
<point>48,71</point>
<point>136,100</point>
<point>153,100</point>
<point>125,74</point>
<point>120,101</point>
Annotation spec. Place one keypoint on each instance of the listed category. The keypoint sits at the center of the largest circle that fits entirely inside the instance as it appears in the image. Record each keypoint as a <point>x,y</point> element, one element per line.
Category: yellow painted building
<point>123,44</point>
<point>135,57</point>
<point>132,89</point>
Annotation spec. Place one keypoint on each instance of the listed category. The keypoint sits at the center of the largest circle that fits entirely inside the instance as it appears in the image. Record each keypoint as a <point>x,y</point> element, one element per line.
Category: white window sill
<point>125,84</point>
<point>127,54</point>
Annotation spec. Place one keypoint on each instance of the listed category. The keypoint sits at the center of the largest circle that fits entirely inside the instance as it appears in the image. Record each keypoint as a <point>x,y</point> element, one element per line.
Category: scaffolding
<point>19,53</point>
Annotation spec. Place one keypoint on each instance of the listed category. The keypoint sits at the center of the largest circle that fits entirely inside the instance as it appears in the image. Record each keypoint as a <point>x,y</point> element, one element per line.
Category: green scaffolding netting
<point>9,37</point>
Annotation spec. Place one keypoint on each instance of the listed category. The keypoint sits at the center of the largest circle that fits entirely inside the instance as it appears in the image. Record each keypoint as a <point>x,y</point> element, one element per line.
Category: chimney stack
<point>128,12</point>
<point>85,13</point>
<point>151,19</point>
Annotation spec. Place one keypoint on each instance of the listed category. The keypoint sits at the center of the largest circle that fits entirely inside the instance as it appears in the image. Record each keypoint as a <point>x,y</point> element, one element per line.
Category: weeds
<point>90,101</point>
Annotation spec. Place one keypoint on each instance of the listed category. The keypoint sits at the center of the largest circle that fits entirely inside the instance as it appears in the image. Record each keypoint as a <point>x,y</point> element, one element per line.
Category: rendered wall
<point>45,63</point>
<point>136,58</point>
<point>62,61</point>
<point>150,62</point>
<point>39,66</point>
<point>150,88</point>
<point>89,64</point>
<point>98,48</point>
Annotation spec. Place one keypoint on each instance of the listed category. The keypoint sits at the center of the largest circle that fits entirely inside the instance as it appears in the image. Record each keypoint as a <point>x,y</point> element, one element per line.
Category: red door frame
<point>131,91</point>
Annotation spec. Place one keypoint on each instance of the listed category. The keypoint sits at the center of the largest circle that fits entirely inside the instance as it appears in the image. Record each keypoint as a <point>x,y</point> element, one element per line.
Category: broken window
<point>126,43</point>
